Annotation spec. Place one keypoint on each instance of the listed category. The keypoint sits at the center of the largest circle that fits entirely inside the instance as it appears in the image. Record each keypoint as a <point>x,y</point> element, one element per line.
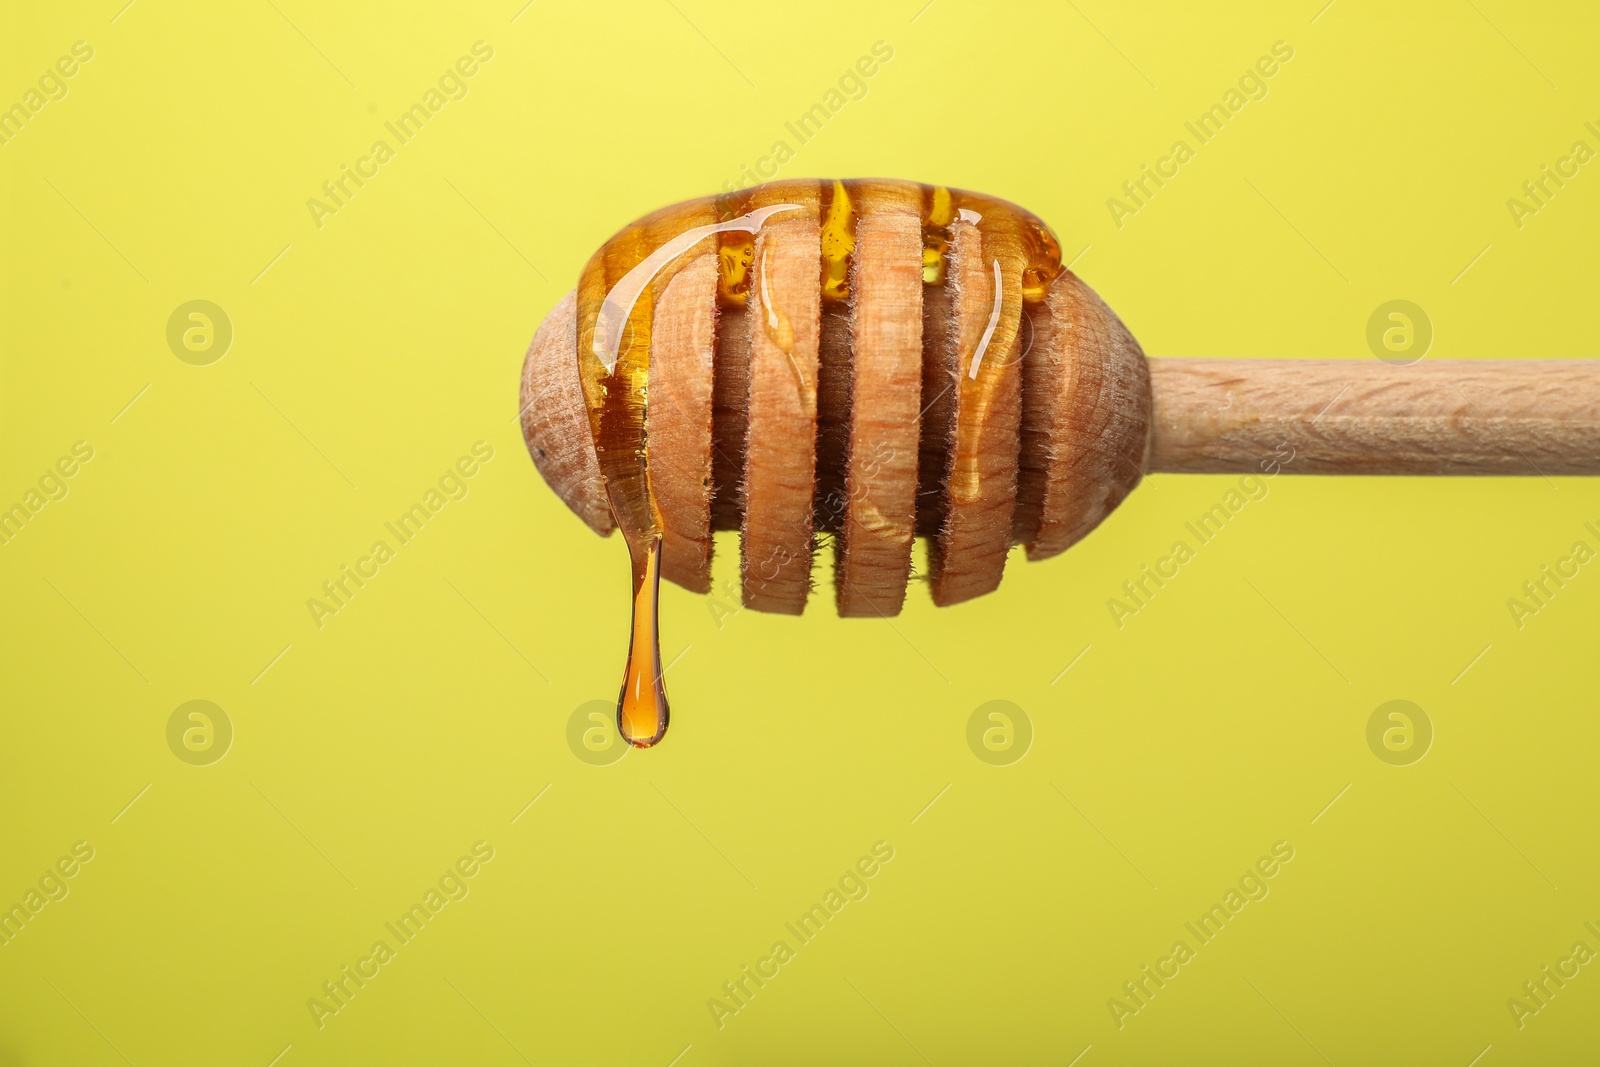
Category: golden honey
<point>838,242</point>
<point>616,302</point>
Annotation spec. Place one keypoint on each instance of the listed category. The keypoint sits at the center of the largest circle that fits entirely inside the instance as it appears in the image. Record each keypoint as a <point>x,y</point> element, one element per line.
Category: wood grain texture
<point>730,414</point>
<point>968,555</point>
<point>1507,417</point>
<point>781,442</point>
<point>938,408</point>
<point>880,485</point>
<point>555,420</point>
<point>1085,418</point>
<point>833,415</point>
<point>678,421</point>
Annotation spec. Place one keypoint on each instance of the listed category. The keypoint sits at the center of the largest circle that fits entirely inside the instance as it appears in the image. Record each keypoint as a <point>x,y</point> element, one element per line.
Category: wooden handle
<point>1505,417</point>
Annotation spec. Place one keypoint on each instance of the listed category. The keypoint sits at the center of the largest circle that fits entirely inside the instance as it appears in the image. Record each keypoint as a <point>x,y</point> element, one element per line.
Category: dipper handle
<point>1454,416</point>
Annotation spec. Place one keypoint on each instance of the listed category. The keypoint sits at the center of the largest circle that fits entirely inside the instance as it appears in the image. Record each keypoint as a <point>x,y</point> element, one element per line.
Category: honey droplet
<point>838,244</point>
<point>735,250</point>
<point>642,707</point>
<point>937,215</point>
<point>1044,262</point>
<point>779,329</point>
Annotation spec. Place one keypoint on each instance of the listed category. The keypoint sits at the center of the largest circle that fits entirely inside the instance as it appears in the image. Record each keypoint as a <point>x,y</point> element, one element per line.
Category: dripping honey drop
<point>642,707</point>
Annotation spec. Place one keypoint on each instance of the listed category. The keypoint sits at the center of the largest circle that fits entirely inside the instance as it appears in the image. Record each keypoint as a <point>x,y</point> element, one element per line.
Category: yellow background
<point>427,714</point>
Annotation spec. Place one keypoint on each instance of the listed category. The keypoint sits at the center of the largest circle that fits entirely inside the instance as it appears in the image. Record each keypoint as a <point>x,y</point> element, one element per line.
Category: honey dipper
<point>877,360</point>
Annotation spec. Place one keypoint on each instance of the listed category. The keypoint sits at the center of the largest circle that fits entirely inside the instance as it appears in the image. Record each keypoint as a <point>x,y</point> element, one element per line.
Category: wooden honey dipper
<point>877,360</point>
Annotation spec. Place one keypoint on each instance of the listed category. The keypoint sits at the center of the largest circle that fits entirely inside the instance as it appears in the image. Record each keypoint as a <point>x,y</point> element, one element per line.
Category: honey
<point>838,242</point>
<point>617,295</point>
<point>642,712</point>
<point>937,214</point>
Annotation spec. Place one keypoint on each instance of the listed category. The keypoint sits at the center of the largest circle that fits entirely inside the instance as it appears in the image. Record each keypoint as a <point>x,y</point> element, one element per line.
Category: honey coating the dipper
<point>623,282</point>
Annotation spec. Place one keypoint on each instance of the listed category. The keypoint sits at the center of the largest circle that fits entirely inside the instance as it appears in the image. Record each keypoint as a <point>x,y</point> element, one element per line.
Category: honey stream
<point>616,303</point>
